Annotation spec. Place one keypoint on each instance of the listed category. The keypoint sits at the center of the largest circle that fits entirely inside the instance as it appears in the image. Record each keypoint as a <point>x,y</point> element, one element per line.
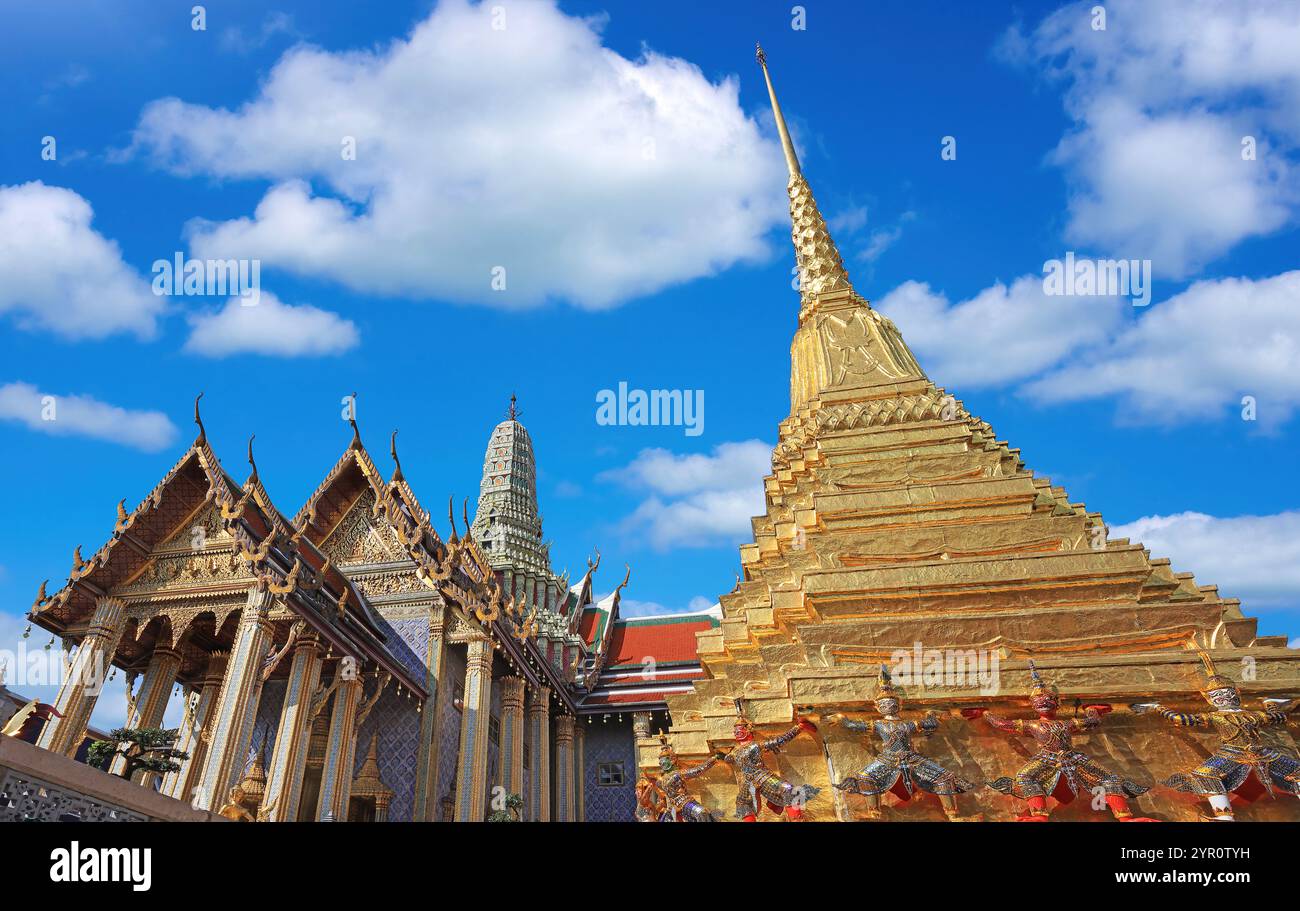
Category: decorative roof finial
<point>451,517</point>
<point>514,412</point>
<point>203,434</point>
<point>397,465</point>
<point>352,421</point>
<point>791,159</point>
<point>252,478</point>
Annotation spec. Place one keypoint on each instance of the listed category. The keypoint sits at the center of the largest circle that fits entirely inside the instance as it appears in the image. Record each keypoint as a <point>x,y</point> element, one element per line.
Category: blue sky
<point>619,160</point>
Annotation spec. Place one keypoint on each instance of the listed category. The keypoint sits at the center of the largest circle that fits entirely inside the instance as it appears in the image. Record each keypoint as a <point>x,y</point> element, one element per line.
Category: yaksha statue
<point>680,806</point>
<point>898,768</point>
<point>1243,764</point>
<point>758,783</point>
<point>649,802</point>
<point>1057,769</point>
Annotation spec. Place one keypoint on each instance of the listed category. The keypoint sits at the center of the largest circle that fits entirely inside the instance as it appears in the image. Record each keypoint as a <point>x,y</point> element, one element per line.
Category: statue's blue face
<point>1224,698</point>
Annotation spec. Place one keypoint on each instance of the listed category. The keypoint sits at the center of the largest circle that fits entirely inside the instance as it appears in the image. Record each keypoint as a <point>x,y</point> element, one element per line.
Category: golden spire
<point>820,267</point>
<point>791,159</point>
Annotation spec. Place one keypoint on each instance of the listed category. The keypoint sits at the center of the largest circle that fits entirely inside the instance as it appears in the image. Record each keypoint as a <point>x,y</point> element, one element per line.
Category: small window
<point>610,774</point>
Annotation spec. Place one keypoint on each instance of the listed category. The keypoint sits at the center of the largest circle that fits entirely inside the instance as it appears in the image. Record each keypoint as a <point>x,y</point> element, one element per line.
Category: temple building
<point>350,662</point>
<point>900,528</point>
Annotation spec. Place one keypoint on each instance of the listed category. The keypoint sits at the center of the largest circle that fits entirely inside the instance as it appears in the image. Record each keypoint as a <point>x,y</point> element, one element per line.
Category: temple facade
<point>901,531</point>
<point>349,663</point>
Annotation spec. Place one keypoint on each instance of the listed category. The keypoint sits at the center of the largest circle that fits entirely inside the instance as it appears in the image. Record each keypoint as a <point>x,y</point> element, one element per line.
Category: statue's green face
<point>666,763</point>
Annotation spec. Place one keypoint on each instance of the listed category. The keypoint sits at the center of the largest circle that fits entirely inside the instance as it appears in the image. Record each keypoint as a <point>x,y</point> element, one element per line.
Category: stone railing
<point>37,785</point>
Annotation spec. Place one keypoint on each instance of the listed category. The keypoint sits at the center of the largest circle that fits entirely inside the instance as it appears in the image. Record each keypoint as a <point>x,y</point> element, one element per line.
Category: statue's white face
<point>1225,698</point>
<point>887,706</point>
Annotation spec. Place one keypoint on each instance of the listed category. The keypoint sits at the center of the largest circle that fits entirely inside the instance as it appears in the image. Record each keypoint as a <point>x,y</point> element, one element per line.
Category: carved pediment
<point>364,538</point>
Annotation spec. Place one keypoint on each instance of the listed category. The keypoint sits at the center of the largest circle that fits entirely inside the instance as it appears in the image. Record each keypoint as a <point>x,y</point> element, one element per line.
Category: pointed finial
<point>791,159</point>
<point>514,412</point>
<point>252,478</point>
<point>397,465</point>
<point>464,513</point>
<point>352,421</point>
<point>451,517</point>
<point>203,434</point>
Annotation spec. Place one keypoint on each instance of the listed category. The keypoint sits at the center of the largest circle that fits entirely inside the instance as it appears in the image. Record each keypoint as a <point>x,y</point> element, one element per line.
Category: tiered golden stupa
<point>899,526</point>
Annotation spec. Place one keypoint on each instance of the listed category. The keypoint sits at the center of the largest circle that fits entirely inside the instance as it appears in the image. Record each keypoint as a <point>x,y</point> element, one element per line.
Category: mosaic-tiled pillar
<point>564,799</point>
<point>86,675</point>
<point>471,774</point>
<point>340,753</point>
<point>151,704</point>
<point>195,730</point>
<point>641,725</point>
<point>512,735</point>
<point>426,781</point>
<point>241,691</point>
<point>580,770</point>
<point>289,760</point>
<point>539,735</point>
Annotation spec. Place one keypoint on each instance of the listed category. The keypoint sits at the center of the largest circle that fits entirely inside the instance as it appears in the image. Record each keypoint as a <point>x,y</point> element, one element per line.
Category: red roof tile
<point>665,640</point>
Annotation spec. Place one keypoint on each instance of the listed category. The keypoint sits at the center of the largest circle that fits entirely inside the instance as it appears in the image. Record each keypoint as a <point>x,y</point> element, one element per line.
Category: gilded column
<point>340,752</point>
<point>512,735</point>
<point>151,703</point>
<point>564,800</point>
<point>85,679</point>
<point>195,729</point>
<point>289,760</point>
<point>471,781</point>
<point>539,734</point>
<point>426,780</point>
<point>241,690</point>
<point>580,770</point>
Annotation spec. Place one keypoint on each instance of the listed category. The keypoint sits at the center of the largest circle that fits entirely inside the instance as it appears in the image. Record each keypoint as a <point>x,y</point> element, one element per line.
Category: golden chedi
<point>900,530</point>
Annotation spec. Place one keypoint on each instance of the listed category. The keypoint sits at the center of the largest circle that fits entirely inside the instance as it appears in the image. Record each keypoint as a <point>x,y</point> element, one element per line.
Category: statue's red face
<point>742,733</point>
<point>1045,703</point>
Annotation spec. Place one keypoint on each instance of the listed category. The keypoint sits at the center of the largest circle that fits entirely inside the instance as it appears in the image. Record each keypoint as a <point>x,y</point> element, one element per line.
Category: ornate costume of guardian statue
<point>898,768</point>
<point>649,802</point>
<point>1243,764</point>
<point>1057,769</point>
<point>758,783</point>
<point>680,806</point>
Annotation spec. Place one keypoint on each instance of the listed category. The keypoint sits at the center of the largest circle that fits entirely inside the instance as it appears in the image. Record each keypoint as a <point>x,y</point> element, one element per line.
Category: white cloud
<point>1198,353</point>
<point>1254,558</point>
<point>1161,100</point>
<point>82,415</point>
<point>269,327</point>
<point>63,276</point>
<point>1002,334</point>
<point>696,500</point>
<point>628,607</point>
<point>236,40</point>
<point>588,177</point>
